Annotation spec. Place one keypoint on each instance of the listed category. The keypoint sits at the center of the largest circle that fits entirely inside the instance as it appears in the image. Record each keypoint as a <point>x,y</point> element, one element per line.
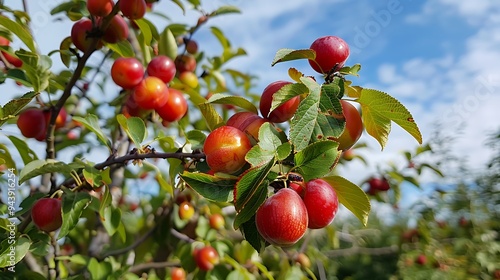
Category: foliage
<point>121,213</point>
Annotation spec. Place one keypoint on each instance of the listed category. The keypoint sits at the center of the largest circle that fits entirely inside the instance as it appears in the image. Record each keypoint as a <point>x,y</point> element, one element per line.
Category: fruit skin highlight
<point>282,219</point>
<point>206,258</point>
<point>225,149</point>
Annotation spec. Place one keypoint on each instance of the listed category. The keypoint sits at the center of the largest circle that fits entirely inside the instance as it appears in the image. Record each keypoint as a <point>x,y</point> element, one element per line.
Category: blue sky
<point>439,57</point>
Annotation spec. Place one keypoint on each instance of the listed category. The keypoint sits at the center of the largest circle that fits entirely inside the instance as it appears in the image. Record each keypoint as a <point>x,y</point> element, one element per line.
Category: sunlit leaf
<point>135,129</point>
<point>379,109</point>
<point>220,98</point>
<point>211,116</point>
<point>317,159</point>
<point>304,121</point>
<point>73,205</point>
<point>20,31</point>
<point>41,166</point>
<point>21,247</point>
<point>351,196</point>
<point>167,45</point>
<point>210,187</point>
<point>14,106</point>
<point>91,122</point>
<point>283,55</point>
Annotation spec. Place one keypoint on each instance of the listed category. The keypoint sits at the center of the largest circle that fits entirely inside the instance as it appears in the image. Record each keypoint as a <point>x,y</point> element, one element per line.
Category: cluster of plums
<point>117,30</point>
<point>284,217</point>
<point>150,91</point>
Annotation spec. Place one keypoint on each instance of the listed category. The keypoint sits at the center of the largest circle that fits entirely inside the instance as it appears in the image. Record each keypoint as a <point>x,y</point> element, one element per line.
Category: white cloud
<point>474,12</point>
<point>462,93</point>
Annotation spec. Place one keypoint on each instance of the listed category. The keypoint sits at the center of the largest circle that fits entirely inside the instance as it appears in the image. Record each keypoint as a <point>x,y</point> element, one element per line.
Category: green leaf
<point>249,184</point>
<point>317,159</point>
<point>283,151</point>
<point>258,156</point>
<point>105,201</point>
<point>251,234</point>
<point>379,109</point>
<point>40,167</point>
<point>211,116</point>
<point>283,55</point>
<point>73,205</point>
<point>225,10</point>
<point>64,51</point>
<point>304,121</point>
<point>123,48</point>
<point>37,69</point>
<point>145,30</point>
<point>20,31</point>
<point>221,37</point>
<point>14,106</point>
<point>135,129</point>
<point>18,75</point>
<point>111,219</point>
<point>6,158</point>
<point>210,187</point>
<point>196,138</point>
<point>351,196</point>
<point>269,137</point>
<point>286,93</point>
<point>252,205</point>
<point>239,101</point>
<point>351,70</point>
<point>164,184</point>
<point>21,247</point>
<point>433,168</point>
<point>92,176</point>
<point>167,45</point>
<point>99,270</point>
<point>91,122</point>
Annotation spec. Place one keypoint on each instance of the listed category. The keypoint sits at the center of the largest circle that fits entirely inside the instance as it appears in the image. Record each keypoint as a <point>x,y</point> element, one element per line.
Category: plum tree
<point>145,164</point>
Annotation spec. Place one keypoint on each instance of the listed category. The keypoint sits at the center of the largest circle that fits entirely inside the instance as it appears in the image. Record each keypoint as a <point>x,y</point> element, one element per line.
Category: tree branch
<point>155,265</point>
<point>130,247</point>
<point>54,110</point>
<point>363,251</point>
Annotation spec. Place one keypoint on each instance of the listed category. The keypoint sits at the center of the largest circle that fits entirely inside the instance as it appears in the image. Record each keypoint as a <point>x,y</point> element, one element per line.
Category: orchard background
<point>122,201</point>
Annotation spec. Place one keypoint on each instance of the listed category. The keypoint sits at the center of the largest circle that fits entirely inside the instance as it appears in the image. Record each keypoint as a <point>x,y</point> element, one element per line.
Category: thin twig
<point>155,265</point>
<point>130,247</point>
<point>181,236</point>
